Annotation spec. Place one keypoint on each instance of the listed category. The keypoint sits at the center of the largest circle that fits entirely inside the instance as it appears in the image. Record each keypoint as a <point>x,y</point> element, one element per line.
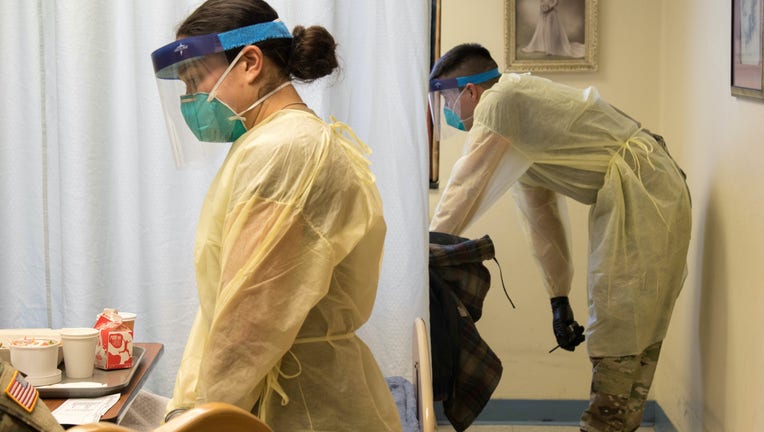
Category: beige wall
<point>665,63</point>
<point>712,378</point>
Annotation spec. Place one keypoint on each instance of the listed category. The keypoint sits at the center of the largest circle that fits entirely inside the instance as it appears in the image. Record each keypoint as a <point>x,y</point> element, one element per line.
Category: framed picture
<point>550,35</point>
<point>434,55</point>
<point>747,77</point>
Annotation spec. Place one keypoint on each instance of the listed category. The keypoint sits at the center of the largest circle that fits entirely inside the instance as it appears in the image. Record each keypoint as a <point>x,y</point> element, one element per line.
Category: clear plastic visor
<point>201,126</point>
<point>443,103</point>
<point>177,84</point>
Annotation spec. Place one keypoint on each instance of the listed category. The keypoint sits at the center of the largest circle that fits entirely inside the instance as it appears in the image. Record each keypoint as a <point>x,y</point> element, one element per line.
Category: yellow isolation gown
<point>288,253</point>
<point>552,141</point>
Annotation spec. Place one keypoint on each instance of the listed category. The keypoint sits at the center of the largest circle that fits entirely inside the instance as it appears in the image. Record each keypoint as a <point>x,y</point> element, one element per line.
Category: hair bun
<point>298,32</point>
<point>313,53</point>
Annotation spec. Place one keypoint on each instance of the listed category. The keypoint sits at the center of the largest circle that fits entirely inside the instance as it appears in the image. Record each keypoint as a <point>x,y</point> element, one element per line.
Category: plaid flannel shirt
<point>465,369</point>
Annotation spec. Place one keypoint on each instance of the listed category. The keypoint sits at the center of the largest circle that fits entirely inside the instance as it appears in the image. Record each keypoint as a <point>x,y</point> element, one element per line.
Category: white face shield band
<point>198,123</point>
<point>445,98</point>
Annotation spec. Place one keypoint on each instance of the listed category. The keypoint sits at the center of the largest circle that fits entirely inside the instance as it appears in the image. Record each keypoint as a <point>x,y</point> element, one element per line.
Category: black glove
<point>567,331</point>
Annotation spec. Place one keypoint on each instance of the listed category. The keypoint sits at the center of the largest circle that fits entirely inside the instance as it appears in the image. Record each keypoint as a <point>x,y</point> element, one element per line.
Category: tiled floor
<point>516,428</point>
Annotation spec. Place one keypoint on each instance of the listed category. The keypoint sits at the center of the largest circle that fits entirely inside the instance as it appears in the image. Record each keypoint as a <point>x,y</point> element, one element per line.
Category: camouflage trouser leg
<point>619,391</point>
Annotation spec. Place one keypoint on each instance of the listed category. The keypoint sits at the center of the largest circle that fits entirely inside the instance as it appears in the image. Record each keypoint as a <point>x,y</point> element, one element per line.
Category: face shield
<point>445,98</point>
<point>188,73</point>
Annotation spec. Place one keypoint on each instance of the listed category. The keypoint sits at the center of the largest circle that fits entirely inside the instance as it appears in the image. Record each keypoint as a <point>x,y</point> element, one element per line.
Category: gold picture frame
<point>550,35</point>
<point>747,48</point>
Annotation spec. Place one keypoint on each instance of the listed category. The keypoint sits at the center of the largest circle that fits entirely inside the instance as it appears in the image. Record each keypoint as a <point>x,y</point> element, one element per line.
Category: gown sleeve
<point>265,295</point>
<point>484,173</point>
<point>545,220</point>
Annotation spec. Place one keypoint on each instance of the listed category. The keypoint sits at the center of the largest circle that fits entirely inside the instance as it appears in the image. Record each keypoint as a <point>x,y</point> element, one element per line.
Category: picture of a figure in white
<point>550,36</point>
<point>750,32</point>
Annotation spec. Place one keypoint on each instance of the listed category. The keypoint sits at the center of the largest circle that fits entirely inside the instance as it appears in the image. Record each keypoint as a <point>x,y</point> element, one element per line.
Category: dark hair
<point>308,56</point>
<point>464,59</point>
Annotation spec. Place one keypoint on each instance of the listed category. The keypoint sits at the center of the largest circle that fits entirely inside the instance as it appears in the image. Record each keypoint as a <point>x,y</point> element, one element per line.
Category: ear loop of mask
<point>458,100</point>
<point>259,101</point>
<point>214,90</point>
<point>238,116</point>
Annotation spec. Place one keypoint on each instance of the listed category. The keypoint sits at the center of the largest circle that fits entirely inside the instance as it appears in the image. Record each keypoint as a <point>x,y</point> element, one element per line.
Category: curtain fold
<point>23,265</point>
<point>95,213</point>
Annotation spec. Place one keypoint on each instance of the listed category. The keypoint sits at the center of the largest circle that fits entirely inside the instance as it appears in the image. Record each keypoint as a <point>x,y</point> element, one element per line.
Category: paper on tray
<point>84,410</point>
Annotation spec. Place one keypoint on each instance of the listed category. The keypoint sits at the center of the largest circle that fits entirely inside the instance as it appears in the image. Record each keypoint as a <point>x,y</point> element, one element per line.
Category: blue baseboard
<point>553,412</point>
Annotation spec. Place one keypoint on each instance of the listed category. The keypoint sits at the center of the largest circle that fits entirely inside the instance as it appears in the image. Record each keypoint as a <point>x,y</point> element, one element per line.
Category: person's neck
<point>287,97</point>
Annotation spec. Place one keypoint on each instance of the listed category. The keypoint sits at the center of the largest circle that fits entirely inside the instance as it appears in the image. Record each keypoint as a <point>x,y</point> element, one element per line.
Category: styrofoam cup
<point>37,358</point>
<point>128,319</point>
<point>79,351</point>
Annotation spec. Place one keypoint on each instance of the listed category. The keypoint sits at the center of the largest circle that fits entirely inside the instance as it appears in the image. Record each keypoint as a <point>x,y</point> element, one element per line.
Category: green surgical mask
<point>211,121</point>
<point>452,119</point>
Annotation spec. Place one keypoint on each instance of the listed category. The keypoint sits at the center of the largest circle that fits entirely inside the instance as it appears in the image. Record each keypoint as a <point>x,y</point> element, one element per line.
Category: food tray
<point>103,382</point>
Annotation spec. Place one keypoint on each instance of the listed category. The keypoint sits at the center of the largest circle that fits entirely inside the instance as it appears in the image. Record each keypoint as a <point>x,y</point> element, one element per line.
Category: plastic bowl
<point>37,358</point>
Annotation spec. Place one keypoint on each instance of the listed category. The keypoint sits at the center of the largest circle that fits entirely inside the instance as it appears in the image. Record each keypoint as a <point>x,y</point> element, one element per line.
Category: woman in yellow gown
<point>290,238</point>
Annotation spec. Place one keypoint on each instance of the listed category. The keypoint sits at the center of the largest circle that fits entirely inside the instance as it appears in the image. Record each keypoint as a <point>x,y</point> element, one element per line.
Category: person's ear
<point>474,91</point>
<point>253,59</point>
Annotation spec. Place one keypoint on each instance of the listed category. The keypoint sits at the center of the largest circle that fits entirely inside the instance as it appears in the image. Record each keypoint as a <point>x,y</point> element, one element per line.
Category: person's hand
<point>567,331</point>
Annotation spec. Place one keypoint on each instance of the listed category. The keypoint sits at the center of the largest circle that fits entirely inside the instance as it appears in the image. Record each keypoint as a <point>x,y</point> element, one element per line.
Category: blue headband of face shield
<point>167,58</point>
<point>451,83</point>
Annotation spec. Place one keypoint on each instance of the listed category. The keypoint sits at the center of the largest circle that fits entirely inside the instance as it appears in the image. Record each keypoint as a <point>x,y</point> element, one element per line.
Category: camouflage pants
<point>619,391</point>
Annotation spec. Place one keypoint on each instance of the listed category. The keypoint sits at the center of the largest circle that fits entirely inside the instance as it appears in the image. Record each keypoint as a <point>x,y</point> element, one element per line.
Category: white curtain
<point>94,212</point>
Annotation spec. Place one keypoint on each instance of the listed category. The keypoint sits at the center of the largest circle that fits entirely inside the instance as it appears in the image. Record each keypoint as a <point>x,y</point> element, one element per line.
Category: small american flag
<point>22,392</point>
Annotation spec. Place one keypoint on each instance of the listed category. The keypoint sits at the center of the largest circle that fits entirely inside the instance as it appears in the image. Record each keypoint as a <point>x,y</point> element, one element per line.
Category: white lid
<point>78,333</point>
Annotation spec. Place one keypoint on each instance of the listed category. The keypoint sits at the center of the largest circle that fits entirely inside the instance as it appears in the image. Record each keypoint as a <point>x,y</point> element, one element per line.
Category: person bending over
<point>549,141</point>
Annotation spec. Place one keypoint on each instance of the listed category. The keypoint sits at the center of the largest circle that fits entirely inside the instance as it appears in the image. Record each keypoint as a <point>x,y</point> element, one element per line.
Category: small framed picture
<point>551,35</point>
<point>747,75</point>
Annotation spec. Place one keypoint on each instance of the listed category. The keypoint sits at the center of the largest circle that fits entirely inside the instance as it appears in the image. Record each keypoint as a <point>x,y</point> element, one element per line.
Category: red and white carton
<point>115,342</point>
